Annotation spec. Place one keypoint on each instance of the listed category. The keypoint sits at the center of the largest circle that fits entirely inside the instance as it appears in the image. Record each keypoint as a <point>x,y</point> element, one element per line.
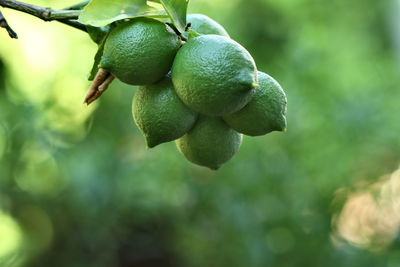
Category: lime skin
<point>266,112</point>
<point>205,25</point>
<point>210,143</point>
<point>160,114</point>
<point>140,51</point>
<point>214,75</point>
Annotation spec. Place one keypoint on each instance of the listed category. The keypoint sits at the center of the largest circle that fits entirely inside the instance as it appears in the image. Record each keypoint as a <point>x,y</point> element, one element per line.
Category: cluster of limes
<point>204,93</point>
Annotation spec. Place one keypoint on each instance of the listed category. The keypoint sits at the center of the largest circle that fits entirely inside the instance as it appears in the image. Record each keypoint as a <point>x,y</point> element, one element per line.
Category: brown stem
<point>99,85</point>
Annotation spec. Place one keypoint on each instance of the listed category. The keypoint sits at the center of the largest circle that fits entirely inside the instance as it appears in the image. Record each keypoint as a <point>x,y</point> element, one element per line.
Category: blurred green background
<point>78,188</point>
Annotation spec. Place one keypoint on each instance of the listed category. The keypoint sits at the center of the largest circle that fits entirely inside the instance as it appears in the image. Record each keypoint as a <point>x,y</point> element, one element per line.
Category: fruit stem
<point>177,32</point>
<point>188,26</point>
<point>99,85</point>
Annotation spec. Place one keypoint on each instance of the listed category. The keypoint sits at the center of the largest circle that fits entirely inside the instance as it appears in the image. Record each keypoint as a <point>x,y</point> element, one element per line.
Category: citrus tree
<point>199,87</point>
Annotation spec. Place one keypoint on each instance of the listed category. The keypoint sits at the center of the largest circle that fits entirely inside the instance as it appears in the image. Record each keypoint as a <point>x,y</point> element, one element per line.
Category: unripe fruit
<point>205,25</point>
<point>160,114</point>
<point>214,75</point>
<point>264,113</point>
<point>140,51</point>
<point>211,142</point>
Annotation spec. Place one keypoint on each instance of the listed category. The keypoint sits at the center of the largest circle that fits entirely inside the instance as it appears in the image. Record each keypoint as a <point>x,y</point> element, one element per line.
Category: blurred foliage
<point>78,187</point>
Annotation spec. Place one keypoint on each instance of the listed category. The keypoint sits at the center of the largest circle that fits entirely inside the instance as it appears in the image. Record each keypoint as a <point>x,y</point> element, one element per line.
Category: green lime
<point>264,113</point>
<point>211,142</point>
<point>140,51</point>
<point>214,75</point>
<point>205,25</point>
<point>160,114</point>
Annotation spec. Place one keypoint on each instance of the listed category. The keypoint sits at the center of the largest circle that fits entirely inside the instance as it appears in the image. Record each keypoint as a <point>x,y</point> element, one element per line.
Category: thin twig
<point>188,26</point>
<point>73,23</point>
<point>177,32</point>
<point>4,24</point>
<point>45,13</point>
<point>77,6</point>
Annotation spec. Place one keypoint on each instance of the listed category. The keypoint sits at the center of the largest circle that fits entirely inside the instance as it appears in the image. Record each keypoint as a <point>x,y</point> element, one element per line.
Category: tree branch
<point>44,13</point>
<point>4,24</point>
<point>66,16</point>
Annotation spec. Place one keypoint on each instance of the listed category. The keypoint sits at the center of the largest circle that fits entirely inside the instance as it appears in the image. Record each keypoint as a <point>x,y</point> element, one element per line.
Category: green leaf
<point>176,10</point>
<point>155,4</point>
<point>193,34</point>
<point>97,34</point>
<point>99,13</point>
<point>97,59</point>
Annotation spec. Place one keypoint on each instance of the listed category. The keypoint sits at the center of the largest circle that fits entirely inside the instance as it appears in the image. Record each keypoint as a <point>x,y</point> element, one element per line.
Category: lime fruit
<point>211,142</point>
<point>264,113</point>
<point>205,25</point>
<point>214,75</point>
<point>160,114</point>
<point>140,51</point>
